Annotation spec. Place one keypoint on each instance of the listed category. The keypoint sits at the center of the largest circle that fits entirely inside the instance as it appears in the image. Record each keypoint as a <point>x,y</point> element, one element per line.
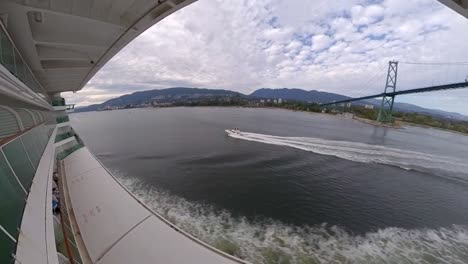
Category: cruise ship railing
<point>62,119</point>
<point>69,242</point>
<point>19,159</point>
<point>12,60</point>
<point>64,136</point>
<point>24,135</point>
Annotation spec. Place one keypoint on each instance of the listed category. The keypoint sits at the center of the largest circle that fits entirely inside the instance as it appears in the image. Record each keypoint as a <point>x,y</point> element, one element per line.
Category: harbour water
<point>294,187</point>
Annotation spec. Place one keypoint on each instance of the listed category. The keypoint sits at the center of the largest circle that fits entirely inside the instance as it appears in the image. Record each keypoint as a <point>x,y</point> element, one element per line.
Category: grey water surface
<point>296,187</point>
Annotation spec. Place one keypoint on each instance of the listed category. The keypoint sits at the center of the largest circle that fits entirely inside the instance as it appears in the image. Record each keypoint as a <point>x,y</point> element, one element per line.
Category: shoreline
<point>375,123</point>
<point>397,125</point>
<point>403,123</point>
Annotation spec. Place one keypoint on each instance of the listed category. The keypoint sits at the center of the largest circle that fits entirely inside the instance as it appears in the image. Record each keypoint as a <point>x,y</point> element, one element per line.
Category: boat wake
<point>366,153</point>
<point>270,241</point>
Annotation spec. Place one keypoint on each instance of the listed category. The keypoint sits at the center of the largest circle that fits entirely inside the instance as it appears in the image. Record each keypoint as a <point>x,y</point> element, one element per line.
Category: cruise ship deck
<point>48,47</point>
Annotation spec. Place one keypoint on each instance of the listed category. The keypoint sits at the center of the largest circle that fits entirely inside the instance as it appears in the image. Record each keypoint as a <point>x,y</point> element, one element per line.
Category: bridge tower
<point>386,107</point>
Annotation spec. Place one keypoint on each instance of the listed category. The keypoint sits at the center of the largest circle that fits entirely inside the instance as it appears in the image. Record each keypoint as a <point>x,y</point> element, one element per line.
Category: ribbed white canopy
<point>65,42</point>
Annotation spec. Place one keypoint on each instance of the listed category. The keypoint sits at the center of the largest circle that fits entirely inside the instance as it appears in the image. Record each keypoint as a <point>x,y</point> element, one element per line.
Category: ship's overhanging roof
<point>459,6</point>
<point>65,42</point>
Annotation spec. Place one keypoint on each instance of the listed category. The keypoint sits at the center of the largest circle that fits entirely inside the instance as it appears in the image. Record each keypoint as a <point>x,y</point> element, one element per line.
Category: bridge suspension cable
<point>432,73</point>
<point>435,63</point>
<point>374,80</point>
<point>388,96</point>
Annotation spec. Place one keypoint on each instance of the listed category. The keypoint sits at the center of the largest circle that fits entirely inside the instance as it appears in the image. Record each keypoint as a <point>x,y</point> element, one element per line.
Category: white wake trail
<point>269,241</point>
<point>361,152</point>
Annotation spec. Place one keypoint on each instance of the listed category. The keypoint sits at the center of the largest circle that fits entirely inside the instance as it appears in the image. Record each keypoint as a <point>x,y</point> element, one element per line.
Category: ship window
<point>33,116</point>
<point>36,116</point>
<point>26,118</point>
<point>39,116</point>
<point>9,123</point>
<point>18,159</point>
<point>43,117</point>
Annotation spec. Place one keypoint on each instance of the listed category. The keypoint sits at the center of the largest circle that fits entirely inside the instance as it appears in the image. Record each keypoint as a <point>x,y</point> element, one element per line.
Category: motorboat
<point>233,131</point>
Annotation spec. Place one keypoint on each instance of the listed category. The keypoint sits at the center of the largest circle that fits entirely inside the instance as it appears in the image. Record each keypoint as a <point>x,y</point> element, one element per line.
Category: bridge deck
<point>411,91</point>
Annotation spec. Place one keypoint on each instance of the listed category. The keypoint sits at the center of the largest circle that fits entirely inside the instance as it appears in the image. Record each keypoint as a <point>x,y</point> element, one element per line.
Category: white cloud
<point>409,29</point>
<point>338,47</point>
<point>334,46</point>
<point>278,34</point>
<point>321,42</point>
<point>364,15</point>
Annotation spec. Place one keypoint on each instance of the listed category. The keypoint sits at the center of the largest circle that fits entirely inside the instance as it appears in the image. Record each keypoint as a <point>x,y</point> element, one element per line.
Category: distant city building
<point>369,106</point>
<point>275,101</point>
<point>268,100</point>
<point>348,105</point>
<point>280,101</point>
<point>262,101</point>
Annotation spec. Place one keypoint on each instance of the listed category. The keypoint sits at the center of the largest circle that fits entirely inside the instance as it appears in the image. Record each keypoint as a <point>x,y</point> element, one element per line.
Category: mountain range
<point>178,94</point>
<point>323,97</point>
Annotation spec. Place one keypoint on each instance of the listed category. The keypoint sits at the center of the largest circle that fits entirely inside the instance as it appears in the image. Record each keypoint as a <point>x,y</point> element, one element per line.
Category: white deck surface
<point>36,241</point>
<point>116,228</point>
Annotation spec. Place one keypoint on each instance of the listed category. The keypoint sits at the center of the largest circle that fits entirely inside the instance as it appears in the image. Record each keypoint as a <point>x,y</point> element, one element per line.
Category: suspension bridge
<point>390,92</point>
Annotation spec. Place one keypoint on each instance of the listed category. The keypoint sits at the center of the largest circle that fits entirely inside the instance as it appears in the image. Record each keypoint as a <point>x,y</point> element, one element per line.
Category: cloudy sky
<point>340,46</point>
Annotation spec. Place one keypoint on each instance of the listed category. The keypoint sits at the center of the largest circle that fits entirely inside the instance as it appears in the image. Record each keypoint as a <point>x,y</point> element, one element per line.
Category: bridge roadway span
<point>411,91</point>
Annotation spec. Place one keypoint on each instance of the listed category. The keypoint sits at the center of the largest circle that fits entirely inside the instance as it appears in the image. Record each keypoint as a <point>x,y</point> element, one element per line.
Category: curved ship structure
<point>53,46</point>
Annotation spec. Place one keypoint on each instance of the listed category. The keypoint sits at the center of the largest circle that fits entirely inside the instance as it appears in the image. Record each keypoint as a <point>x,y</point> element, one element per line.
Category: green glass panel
<point>20,67</point>
<point>30,141</point>
<point>31,82</point>
<point>41,139</point>
<point>45,140</point>
<point>7,247</point>
<point>70,237</point>
<point>75,253</point>
<point>28,79</point>
<point>63,136</point>
<point>7,53</point>
<point>68,151</point>
<point>45,131</point>
<point>35,142</point>
<point>12,199</point>
<point>59,242</point>
<point>62,119</point>
<point>18,159</point>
